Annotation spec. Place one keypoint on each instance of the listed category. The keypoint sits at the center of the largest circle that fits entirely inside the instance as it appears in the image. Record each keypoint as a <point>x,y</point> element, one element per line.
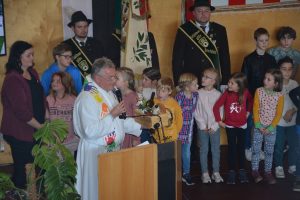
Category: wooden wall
<point>240,26</point>
<point>36,21</point>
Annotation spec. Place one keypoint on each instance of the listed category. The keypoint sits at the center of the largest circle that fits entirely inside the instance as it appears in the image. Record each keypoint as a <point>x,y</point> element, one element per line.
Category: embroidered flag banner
<point>135,49</point>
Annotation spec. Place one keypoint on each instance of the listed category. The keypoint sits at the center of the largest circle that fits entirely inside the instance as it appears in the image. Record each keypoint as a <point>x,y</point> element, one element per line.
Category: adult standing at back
<point>201,44</point>
<point>23,107</point>
<point>85,49</point>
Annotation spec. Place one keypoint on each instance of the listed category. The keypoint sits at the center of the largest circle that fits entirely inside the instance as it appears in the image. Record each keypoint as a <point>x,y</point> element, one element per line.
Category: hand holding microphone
<point>120,108</point>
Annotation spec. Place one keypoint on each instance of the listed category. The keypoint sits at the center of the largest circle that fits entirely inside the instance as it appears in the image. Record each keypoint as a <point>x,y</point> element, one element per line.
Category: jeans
<point>236,147</point>
<point>282,134</point>
<point>298,152</point>
<point>21,154</point>
<point>186,157</point>
<point>248,132</point>
<point>258,138</point>
<point>214,139</point>
<point>145,135</point>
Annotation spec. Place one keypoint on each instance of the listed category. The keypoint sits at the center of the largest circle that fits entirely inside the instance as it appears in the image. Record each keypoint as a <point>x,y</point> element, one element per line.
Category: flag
<point>135,48</point>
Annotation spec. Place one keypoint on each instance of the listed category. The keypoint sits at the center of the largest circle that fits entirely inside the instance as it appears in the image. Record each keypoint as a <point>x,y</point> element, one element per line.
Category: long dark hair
<point>66,81</point>
<point>241,81</point>
<point>14,59</point>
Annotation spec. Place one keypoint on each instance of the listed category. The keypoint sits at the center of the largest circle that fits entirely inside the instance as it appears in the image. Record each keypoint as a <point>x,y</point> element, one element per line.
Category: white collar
<point>206,26</point>
<point>85,39</point>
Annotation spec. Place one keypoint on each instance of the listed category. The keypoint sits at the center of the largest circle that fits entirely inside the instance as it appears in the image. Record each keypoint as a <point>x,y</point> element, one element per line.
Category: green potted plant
<point>57,168</point>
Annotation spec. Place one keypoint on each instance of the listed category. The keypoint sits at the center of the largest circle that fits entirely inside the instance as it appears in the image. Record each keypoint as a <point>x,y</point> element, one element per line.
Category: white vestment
<point>99,133</point>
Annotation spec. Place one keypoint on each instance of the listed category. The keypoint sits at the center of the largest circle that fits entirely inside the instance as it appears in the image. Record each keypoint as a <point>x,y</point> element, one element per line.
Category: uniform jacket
<point>188,58</point>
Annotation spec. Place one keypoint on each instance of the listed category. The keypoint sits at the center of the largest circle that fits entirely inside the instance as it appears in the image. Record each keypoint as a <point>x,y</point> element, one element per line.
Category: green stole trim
<point>81,60</point>
<point>204,43</point>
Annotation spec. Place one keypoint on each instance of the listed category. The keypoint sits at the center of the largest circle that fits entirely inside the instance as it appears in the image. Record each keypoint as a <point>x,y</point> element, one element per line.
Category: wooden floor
<point>282,190</point>
<point>251,191</point>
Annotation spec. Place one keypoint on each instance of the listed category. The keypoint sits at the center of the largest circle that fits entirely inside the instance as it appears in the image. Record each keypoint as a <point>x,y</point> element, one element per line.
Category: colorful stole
<point>204,43</point>
<point>109,138</point>
<point>81,60</point>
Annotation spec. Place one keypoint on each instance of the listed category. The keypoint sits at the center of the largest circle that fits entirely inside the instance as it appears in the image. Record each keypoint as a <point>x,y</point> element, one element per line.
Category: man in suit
<point>84,49</point>
<point>201,44</point>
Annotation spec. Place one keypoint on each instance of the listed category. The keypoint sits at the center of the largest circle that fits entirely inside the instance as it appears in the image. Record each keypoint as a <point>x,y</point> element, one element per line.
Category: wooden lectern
<point>148,172</point>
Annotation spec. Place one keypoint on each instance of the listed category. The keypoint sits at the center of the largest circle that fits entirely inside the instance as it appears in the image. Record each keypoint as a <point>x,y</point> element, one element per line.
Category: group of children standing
<point>271,113</point>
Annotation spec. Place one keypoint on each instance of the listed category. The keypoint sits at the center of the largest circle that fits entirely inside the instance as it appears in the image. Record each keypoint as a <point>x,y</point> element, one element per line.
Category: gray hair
<point>101,63</point>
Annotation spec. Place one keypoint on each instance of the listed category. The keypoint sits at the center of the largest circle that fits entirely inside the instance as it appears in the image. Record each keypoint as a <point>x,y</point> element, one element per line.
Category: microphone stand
<point>156,126</point>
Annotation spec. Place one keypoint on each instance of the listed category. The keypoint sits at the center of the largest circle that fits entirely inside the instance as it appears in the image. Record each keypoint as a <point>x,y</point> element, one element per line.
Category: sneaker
<point>243,176</point>
<point>187,179</point>
<point>217,177</point>
<point>231,177</point>
<point>262,155</point>
<point>248,154</point>
<point>256,176</point>
<point>205,178</point>
<point>269,178</point>
<point>292,169</point>
<point>279,173</point>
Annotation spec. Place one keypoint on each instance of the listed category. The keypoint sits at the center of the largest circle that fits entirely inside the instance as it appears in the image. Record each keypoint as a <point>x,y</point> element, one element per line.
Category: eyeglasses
<point>109,78</point>
<point>66,56</point>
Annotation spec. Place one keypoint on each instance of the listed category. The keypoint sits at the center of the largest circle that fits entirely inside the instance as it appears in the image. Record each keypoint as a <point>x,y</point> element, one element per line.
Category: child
<point>126,84</point>
<point>267,110</point>
<point>286,36</point>
<point>295,97</point>
<point>62,55</point>
<point>187,99</point>
<point>208,128</point>
<point>237,102</point>
<point>60,104</point>
<point>150,77</point>
<point>169,132</point>
<point>286,127</point>
<point>255,65</point>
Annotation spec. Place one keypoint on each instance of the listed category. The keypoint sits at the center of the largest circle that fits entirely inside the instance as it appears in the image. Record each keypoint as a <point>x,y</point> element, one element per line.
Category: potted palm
<point>57,168</point>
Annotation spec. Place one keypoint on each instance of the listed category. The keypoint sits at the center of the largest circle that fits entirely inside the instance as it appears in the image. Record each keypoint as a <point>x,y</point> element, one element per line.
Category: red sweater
<point>234,113</point>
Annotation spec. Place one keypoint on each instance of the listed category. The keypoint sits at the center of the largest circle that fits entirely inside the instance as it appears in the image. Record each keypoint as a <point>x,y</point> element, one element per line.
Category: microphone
<point>118,94</point>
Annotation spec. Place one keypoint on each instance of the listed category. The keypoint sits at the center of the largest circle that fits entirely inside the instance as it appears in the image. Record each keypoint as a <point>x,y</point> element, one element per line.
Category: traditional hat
<point>77,17</point>
<point>199,3</point>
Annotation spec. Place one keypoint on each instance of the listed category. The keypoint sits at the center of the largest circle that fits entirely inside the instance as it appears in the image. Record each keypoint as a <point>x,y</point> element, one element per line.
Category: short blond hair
<point>185,80</point>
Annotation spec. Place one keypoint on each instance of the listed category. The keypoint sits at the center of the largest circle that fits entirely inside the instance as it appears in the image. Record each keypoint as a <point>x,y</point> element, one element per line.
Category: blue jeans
<point>258,138</point>
<point>282,134</point>
<point>298,152</point>
<point>214,139</point>
<point>145,135</point>
<point>186,157</point>
<point>248,132</point>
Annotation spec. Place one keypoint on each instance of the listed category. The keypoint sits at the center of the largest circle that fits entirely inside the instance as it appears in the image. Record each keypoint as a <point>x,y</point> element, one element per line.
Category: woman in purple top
<point>23,107</point>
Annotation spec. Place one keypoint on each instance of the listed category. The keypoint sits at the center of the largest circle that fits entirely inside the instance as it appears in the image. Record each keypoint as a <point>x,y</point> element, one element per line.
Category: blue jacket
<point>72,70</point>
